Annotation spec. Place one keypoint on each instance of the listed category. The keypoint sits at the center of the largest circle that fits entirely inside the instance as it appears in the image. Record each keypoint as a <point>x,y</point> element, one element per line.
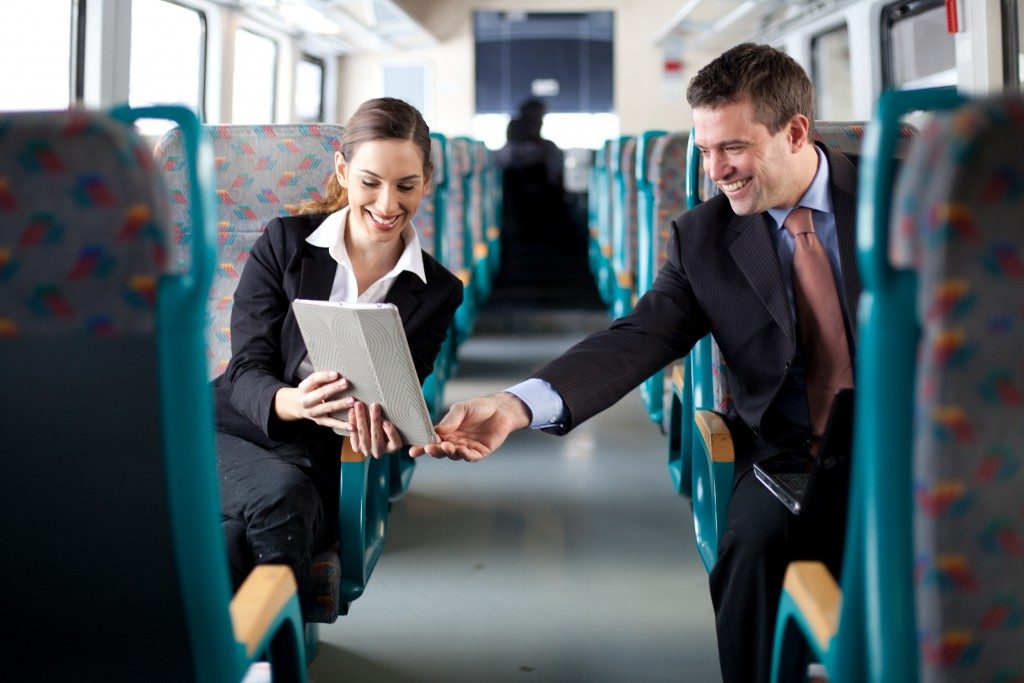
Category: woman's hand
<point>371,434</point>
<point>317,398</point>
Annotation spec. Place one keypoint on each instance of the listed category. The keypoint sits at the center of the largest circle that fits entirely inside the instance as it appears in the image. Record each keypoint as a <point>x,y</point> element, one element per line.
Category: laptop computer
<point>792,476</point>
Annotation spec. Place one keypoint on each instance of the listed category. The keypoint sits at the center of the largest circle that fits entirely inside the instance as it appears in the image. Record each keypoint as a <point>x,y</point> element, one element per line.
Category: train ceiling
<point>344,25</point>
<point>711,25</point>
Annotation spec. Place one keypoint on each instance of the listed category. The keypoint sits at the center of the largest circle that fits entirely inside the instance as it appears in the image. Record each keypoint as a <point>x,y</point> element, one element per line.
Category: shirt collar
<point>330,235</point>
<point>816,198</point>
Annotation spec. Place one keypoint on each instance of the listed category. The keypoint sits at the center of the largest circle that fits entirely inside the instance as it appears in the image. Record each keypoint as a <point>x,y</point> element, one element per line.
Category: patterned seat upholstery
<point>477,218</point>
<point>457,228</point>
<point>668,173</point>
<point>957,224</point>
<point>115,563</point>
<point>261,172</point>
<point>847,138</point>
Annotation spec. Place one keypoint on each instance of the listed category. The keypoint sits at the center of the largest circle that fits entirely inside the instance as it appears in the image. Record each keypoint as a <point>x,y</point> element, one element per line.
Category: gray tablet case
<point>367,345</point>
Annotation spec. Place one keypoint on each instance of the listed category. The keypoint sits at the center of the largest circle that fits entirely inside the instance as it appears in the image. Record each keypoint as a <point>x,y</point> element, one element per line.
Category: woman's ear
<point>341,170</point>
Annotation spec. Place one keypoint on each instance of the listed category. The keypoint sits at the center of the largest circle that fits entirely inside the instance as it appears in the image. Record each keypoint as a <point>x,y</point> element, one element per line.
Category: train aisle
<point>557,559</point>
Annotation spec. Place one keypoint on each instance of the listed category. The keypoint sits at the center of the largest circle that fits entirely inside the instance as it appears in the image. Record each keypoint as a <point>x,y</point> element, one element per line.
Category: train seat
<point>460,245</point>
<point>260,172</point>
<point>430,227</point>
<point>624,225</point>
<point>492,186</point>
<point>652,176</point>
<point>477,218</point>
<point>115,567</point>
<point>601,237</point>
<point>957,224</point>
<point>861,627</point>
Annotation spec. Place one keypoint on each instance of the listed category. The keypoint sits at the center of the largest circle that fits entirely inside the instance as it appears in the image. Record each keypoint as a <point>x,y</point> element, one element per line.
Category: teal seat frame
<point>652,391</point>
<point>186,437</point>
<point>623,283</point>
<point>871,640</point>
<point>187,418</point>
<point>693,467</point>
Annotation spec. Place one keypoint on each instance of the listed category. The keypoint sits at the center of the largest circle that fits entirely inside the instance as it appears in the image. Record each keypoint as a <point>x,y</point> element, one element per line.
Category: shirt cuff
<point>547,409</point>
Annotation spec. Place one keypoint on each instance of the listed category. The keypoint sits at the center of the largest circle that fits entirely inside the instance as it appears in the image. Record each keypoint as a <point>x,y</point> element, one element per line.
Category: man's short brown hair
<point>776,84</point>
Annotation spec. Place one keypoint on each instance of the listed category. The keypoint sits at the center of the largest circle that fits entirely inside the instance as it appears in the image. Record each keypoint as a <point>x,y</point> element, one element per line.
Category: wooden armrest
<point>678,377</point>
<point>465,276</point>
<point>259,600</point>
<point>480,251</point>
<point>818,597</point>
<point>348,454</point>
<point>716,435</point>
<point>493,232</point>
<point>625,280</point>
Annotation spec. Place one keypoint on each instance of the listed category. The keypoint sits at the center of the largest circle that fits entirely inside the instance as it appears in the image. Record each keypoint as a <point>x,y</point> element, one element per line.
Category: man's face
<point>754,169</point>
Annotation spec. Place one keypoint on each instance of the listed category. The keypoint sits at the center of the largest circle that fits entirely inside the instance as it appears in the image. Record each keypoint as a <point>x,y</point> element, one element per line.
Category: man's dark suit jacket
<point>267,347</point>
<point>722,277</point>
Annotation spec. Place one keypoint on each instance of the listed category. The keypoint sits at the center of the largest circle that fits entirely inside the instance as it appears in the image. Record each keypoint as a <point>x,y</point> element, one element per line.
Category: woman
<point>276,450</point>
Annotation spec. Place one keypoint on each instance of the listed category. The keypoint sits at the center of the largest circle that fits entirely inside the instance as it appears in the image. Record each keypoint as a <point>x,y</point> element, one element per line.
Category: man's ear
<point>341,169</point>
<point>799,132</point>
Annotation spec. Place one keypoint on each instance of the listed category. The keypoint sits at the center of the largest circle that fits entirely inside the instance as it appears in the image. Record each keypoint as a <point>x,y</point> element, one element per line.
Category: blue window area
<point>563,59</point>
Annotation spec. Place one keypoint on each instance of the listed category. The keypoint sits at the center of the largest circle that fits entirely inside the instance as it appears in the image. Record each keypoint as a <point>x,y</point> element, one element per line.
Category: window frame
<point>204,38</point>
<point>261,32</point>
<point>812,43</point>
<point>892,14</point>
<point>322,63</point>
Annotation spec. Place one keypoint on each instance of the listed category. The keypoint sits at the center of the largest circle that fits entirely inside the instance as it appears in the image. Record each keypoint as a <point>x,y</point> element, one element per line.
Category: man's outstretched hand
<point>473,429</point>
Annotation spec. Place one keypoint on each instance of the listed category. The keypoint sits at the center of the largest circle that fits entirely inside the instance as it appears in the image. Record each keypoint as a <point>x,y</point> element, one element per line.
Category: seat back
<point>429,217</point>
<point>115,565</point>
<point>477,197</point>
<point>659,181</point>
<point>624,223</point>
<point>957,225</point>
<point>261,171</point>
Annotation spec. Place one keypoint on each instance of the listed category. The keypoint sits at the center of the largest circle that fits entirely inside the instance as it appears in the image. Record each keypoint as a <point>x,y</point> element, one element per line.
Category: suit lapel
<point>754,253</point>
<point>315,282</point>
<point>406,293</point>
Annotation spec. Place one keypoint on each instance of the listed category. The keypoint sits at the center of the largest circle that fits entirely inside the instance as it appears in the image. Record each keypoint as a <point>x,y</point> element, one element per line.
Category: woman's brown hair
<point>384,118</point>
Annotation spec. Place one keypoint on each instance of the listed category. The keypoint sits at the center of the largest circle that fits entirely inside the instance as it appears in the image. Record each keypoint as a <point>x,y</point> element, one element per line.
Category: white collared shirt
<point>331,236</point>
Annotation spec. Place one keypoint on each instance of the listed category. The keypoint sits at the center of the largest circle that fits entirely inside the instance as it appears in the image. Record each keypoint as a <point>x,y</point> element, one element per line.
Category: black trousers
<point>272,508</point>
<point>761,538</point>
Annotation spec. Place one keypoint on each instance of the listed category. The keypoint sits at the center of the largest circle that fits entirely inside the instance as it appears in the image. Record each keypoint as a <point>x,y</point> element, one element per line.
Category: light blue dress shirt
<point>546,406</point>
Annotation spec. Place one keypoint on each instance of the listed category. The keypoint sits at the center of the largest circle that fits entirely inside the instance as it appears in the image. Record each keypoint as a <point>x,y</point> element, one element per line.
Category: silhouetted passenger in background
<point>534,198</point>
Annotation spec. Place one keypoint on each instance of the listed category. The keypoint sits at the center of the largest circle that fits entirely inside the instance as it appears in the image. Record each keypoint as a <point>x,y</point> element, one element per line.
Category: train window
<point>917,51</point>
<point>38,37</point>
<point>564,59</point>
<point>408,81</point>
<point>161,28</point>
<point>254,86</point>
<point>309,89</point>
<point>830,69</point>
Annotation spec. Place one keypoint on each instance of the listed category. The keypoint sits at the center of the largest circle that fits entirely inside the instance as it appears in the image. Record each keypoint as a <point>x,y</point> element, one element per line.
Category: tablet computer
<point>366,344</point>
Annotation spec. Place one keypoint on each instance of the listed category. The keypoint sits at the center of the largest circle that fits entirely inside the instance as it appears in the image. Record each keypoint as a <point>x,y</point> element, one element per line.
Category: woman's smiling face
<point>385,181</point>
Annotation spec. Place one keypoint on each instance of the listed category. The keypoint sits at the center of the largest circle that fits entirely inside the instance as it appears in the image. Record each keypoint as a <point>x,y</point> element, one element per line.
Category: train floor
<point>556,559</point>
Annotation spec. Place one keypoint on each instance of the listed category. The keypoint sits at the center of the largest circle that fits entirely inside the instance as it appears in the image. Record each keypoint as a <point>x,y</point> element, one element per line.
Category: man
<point>736,269</point>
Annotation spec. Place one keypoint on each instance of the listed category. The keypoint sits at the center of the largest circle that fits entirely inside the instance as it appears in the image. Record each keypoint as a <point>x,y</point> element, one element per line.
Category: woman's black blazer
<point>267,347</point>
